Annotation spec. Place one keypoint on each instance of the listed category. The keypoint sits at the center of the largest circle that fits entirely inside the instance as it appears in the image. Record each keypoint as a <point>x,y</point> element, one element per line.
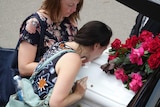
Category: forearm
<point>69,100</point>
<point>78,92</point>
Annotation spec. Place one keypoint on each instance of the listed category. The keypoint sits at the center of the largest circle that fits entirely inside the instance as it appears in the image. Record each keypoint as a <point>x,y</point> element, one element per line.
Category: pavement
<point>119,17</point>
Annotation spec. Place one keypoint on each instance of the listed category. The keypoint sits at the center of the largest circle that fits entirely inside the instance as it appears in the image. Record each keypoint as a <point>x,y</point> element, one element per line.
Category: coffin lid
<point>150,8</point>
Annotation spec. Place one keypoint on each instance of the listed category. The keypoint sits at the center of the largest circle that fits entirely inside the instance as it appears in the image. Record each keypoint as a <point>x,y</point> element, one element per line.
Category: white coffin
<point>103,90</point>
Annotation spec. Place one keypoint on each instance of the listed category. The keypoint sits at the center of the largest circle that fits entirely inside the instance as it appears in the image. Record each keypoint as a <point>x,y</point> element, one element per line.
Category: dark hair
<point>94,32</point>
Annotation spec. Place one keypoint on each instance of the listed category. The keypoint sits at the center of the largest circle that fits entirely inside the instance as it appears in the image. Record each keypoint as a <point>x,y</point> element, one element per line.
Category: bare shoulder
<point>70,61</point>
<point>71,56</point>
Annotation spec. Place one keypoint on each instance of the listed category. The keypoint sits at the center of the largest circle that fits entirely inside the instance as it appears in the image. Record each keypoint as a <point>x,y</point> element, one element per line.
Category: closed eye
<point>71,5</point>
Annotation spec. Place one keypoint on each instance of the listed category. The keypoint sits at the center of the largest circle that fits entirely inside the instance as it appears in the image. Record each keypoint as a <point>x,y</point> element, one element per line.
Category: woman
<point>59,18</point>
<point>91,40</point>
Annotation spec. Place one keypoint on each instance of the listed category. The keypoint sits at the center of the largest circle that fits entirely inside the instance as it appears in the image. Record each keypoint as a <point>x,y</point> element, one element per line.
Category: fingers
<point>82,83</point>
<point>82,80</point>
<point>85,78</point>
<point>81,86</point>
<point>84,60</point>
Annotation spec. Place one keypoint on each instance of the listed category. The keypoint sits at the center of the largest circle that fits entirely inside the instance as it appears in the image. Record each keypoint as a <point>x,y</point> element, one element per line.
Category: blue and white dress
<point>45,80</point>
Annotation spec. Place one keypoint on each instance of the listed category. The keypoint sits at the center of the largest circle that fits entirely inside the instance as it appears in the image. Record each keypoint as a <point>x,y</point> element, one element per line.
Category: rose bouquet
<point>135,60</point>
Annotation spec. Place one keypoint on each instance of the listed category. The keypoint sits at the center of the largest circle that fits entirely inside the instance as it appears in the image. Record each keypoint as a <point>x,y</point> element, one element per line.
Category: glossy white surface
<point>103,90</point>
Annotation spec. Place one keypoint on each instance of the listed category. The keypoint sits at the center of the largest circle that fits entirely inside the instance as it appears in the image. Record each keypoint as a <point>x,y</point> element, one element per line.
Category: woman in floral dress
<point>59,18</point>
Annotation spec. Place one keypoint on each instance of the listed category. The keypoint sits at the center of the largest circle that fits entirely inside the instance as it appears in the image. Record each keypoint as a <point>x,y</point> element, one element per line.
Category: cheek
<point>95,55</point>
<point>66,13</point>
<point>64,10</point>
<point>99,53</point>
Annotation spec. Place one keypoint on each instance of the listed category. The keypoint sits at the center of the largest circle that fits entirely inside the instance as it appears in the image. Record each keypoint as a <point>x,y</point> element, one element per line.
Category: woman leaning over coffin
<point>91,40</point>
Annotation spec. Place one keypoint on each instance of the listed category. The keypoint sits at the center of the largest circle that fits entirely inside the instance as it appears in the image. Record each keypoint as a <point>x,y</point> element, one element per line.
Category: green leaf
<point>148,70</point>
<point>126,60</point>
<point>118,61</point>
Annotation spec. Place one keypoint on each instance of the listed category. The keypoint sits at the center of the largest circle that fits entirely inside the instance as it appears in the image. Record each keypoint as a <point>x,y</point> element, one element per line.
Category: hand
<point>108,67</point>
<point>81,86</point>
<point>84,60</point>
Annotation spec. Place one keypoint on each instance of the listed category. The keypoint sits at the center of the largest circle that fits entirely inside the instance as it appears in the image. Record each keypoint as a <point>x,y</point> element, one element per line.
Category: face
<point>97,52</point>
<point>68,7</point>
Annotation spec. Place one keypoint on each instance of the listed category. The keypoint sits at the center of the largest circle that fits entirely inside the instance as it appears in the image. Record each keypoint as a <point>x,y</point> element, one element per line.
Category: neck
<point>73,45</point>
<point>79,49</point>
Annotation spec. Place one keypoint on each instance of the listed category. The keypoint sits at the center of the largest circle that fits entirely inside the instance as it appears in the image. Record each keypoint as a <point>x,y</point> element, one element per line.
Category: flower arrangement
<point>135,60</point>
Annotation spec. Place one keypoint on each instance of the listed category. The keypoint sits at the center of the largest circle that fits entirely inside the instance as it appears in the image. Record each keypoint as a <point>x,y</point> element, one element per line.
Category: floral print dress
<point>30,31</point>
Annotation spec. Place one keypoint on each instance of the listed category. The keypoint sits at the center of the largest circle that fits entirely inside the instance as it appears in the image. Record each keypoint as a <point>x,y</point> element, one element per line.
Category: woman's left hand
<point>81,86</point>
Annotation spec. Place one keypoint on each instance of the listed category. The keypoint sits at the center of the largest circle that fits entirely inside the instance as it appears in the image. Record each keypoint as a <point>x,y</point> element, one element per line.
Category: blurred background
<point>119,17</point>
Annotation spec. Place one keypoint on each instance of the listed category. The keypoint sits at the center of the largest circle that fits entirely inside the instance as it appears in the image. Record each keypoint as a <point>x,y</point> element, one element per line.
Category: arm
<point>26,57</point>
<point>68,66</point>
<point>27,52</point>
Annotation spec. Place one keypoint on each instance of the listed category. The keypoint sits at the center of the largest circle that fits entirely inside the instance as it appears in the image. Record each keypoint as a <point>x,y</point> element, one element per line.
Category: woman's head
<point>96,35</point>
<point>94,32</point>
<point>57,9</point>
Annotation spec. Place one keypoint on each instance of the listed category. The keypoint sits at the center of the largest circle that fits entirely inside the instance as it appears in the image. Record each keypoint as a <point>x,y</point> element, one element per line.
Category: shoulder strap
<point>41,66</point>
<point>53,57</point>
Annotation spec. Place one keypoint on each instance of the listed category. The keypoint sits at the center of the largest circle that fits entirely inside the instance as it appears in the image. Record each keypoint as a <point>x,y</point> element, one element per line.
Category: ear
<point>97,46</point>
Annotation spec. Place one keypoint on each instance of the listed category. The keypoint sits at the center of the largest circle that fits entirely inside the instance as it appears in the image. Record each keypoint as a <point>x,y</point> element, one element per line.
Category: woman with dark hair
<point>91,40</point>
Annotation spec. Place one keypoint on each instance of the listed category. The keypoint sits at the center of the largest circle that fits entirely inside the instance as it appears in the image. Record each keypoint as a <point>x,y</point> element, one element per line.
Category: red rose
<point>154,45</point>
<point>154,60</point>
<point>116,44</point>
<point>131,42</point>
<point>145,36</point>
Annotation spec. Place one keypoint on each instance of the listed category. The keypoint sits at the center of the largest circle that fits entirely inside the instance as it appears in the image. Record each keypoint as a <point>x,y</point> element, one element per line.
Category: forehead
<point>70,1</point>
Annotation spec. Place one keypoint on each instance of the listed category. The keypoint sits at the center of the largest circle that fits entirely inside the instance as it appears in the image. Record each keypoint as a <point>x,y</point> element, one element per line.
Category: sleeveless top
<point>45,80</point>
<point>30,31</point>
